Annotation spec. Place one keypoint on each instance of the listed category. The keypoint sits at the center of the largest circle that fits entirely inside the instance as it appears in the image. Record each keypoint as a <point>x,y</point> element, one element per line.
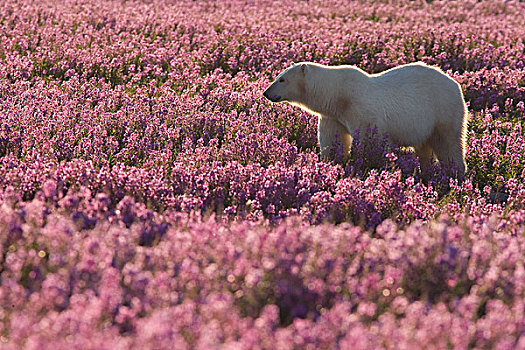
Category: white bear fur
<point>415,104</point>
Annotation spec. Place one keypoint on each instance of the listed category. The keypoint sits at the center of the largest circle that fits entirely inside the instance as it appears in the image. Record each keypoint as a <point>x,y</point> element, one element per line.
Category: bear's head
<point>289,86</point>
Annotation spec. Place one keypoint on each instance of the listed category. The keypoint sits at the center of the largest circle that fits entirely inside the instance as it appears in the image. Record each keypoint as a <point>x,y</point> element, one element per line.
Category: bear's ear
<point>303,68</point>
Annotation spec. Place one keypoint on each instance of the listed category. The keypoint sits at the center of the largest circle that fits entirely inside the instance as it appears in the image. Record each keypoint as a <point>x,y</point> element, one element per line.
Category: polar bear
<point>415,104</point>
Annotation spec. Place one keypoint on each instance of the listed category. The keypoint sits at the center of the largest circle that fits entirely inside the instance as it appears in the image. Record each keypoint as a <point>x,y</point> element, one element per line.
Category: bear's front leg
<point>329,133</point>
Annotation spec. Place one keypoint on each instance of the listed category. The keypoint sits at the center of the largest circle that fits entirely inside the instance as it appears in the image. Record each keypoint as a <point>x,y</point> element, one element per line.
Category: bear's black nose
<point>271,98</point>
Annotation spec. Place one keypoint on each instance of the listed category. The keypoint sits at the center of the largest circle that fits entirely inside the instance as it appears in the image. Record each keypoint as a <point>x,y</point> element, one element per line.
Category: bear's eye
<point>281,80</point>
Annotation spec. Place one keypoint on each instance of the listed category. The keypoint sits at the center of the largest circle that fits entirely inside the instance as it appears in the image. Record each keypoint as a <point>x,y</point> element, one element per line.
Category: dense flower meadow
<point>151,198</point>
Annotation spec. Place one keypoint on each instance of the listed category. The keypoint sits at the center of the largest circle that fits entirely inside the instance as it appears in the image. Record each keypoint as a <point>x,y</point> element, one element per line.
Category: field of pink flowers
<point>151,198</point>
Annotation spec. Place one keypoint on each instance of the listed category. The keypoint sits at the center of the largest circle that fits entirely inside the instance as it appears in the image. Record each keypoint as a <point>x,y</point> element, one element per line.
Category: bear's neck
<point>331,92</point>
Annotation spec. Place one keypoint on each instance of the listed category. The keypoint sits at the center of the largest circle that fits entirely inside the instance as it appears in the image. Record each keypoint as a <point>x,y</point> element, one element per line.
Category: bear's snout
<point>271,97</point>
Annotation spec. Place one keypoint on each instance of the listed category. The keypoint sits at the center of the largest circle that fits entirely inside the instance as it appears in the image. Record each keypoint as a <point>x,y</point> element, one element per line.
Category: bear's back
<point>418,81</point>
<point>417,72</point>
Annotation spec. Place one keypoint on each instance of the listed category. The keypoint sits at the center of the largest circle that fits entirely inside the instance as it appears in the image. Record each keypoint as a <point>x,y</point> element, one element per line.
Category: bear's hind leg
<point>449,149</point>
<point>425,155</point>
<point>329,131</point>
